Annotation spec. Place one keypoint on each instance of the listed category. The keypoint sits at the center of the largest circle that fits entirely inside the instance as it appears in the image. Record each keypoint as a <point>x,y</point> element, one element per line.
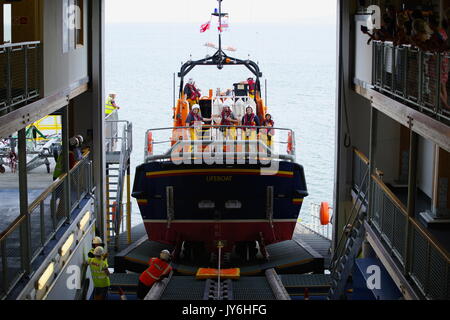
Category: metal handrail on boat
<point>213,135</point>
<point>180,145</point>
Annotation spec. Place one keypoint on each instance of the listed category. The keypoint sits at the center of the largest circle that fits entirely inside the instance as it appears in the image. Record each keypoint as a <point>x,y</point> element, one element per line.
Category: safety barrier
<point>314,223</point>
<point>360,166</point>
<point>119,145</point>
<point>279,142</point>
<point>20,77</point>
<point>24,240</point>
<point>424,261</point>
<point>413,76</point>
<point>111,130</point>
<point>389,217</point>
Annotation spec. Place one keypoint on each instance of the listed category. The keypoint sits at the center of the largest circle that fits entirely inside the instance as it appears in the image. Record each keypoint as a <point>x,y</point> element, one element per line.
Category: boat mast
<point>219,59</point>
<point>220,54</point>
<point>220,25</point>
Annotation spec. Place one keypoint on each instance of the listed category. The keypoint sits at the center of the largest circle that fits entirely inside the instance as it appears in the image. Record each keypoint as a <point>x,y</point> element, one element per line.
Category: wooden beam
<point>423,125</point>
<point>22,117</point>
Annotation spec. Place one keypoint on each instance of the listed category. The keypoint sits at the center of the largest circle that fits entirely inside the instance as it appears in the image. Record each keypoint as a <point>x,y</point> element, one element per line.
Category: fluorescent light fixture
<point>85,220</point>
<point>67,245</point>
<point>206,204</point>
<point>46,276</point>
<point>233,204</point>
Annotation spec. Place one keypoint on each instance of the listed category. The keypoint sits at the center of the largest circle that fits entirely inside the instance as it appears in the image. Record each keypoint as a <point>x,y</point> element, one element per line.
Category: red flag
<point>224,25</point>
<point>205,26</point>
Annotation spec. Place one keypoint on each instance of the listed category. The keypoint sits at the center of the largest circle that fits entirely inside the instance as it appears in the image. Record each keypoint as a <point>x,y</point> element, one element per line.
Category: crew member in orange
<point>192,93</point>
<point>269,132</point>
<point>158,269</point>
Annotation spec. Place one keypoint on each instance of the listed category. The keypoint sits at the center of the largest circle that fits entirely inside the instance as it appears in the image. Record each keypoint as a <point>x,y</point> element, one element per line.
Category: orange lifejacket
<point>155,271</point>
<point>181,113</point>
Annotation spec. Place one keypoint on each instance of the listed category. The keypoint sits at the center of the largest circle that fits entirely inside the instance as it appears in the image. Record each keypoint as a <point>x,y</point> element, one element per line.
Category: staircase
<point>349,244</point>
<point>118,153</point>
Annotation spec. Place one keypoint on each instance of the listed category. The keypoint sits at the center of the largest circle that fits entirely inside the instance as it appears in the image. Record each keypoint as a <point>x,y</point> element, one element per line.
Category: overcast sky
<point>252,11</point>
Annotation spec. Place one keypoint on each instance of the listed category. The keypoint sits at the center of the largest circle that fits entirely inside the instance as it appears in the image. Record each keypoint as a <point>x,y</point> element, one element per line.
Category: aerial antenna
<point>219,14</point>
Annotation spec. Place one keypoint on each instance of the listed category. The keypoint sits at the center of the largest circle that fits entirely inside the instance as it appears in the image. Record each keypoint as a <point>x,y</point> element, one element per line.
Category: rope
<point>347,136</point>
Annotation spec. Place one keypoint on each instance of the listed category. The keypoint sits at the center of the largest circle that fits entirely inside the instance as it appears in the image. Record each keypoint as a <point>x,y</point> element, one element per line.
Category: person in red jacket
<point>158,269</point>
<point>192,93</point>
<point>251,87</point>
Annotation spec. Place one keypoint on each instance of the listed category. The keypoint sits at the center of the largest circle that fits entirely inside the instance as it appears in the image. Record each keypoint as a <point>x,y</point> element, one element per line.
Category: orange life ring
<point>324,213</point>
<point>150,143</point>
<point>290,147</point>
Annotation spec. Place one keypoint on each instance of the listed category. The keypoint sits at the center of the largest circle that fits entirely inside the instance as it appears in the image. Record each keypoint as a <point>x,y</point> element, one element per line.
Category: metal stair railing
<point>349,244</point>
<point>117,207</point>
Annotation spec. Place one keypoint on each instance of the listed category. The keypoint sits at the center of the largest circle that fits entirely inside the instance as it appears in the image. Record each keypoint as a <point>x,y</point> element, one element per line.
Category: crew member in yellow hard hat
<point>100,274</point>
<point>158,269</point>
<point>111,105</point>
<point>96,242</point>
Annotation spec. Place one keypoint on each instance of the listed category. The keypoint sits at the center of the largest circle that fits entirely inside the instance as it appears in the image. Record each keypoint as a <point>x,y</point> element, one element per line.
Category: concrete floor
<point>38,181</point>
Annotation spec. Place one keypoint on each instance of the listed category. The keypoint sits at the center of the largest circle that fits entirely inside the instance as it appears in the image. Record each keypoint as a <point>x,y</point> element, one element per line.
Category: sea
<point>298,61</point>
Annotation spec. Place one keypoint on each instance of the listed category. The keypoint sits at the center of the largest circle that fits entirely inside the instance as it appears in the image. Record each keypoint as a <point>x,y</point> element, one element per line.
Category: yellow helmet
<point>97,240</point>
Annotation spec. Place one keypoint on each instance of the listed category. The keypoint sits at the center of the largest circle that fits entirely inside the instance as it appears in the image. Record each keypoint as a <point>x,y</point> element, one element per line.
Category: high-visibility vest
<point>58,171</point>
<point>109,107</point>
<point>155,271</point>
<point>99,277</point>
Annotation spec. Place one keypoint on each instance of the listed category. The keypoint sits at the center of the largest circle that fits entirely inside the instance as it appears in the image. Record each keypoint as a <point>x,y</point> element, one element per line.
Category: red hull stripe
<point>157,174</point>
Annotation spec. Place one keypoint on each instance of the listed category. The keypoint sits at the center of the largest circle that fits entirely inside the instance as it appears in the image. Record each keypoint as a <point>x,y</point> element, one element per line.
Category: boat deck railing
<point>24,240</point>
<point>219,142</point>
<point>20,77</point>
<point>408,74</point>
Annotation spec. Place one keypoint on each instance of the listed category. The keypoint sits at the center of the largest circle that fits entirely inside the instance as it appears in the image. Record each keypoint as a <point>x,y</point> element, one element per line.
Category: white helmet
<point>226,103</point>
<point>195,106</point>
<point>164,255</point>
<point>74,142</point>
<point>97,240</point>
<point>99,251</point>
<point>113,93</point>
<point>80,138</point>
